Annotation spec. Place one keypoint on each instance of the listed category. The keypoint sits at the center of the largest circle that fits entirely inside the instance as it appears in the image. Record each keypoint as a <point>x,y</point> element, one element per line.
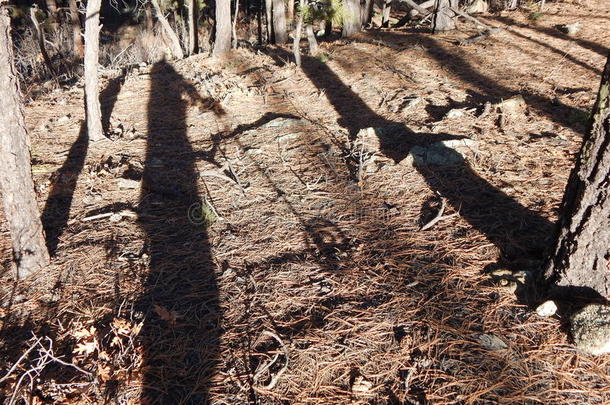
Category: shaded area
<point>463,70</point>
<point>56,212</point>
<point>181,330</point>
<point>555,32</point>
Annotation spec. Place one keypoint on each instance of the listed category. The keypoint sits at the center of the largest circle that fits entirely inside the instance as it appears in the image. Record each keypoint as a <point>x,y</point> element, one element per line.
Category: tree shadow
<point>460,68</point>
<point>181,329</point>
<point>520,234</point>
<point>56,212</point>
<point>555,32</point>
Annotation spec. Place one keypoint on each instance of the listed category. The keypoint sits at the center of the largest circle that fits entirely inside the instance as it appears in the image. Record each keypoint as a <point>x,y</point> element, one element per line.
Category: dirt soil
<point>241,240</point>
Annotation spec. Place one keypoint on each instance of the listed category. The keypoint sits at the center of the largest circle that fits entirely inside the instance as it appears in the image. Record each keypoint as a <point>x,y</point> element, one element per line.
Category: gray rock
<point>570,29</point>
<point>590,328</point>
<point>491,342</point>
<point>285,123</point>
<point>127,184</point>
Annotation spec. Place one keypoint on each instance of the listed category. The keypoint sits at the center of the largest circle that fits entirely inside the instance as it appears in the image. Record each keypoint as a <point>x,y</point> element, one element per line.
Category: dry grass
<point>336,269</point>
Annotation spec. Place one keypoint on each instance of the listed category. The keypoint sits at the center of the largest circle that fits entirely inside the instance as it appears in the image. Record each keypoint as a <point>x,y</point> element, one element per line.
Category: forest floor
<point>263,249</point>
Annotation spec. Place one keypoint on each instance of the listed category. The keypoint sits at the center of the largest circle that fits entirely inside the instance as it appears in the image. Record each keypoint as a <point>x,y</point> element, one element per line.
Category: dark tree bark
<point>193,29</point>
<point>95,131</point>
<point>78,47</point>
<point>328,28</point>
<point>279,22</point>
<point>19,200</point>
<point>351,18</point>
<point>174,41</point>
<point>222,44</point>
<point>581,257</point>
<point>444,18</point>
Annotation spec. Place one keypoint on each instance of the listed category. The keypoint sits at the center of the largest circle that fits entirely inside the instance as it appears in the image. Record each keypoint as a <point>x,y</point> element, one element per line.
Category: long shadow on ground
<point>181,331</point>
<point>57,209</point>
<point>518,232</point>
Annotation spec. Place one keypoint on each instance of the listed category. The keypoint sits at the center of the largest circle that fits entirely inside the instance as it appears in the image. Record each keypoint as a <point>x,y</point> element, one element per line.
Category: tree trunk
<point>234,27</point>
<point>78,47</point>
<point>328,28</point>
<point>296,45</point>
<point>290,14</point>
<point>19,200</point>
<point>581,257</point>
<point>366,12</point>
<point>444,18</point>
<point>269,18</point>
<point>193,29</point>
<point>92,50</point>
<point>279,22</point>
<point>39,34</point>
<point>385,13</point>
<point>174,41</point>
<point>311,38</point>
<point>351,17</point>
<point>53,14</point>
<point>223,27</point>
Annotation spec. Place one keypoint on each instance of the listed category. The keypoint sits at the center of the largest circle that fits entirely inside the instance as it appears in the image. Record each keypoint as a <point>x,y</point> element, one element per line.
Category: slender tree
<point>95,130</point>
<point>174,41</point>
<point>296,45</point>
<point>193,8</point>
<point>19,199</point>
<point>581,256</point>
<point>222,44</point>
<point>78,47</point>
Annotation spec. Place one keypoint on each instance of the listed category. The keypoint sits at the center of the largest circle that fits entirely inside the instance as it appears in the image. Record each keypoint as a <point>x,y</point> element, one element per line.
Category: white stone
<point>546,309</point>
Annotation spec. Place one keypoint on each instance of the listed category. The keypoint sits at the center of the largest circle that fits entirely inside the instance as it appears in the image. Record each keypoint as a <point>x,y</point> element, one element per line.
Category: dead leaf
<point>103,372</point>
<point>168,316</point>
<point>85,348</point>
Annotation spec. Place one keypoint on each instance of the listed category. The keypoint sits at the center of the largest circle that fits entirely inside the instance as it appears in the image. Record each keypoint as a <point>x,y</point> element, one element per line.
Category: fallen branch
<point>274,379</point>
<point>479,37</point>
<point>439,216</point>
<point>470,18</point>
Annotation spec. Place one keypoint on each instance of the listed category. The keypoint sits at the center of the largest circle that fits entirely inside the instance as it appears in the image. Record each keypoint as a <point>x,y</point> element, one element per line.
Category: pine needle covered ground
<point>236,242</point>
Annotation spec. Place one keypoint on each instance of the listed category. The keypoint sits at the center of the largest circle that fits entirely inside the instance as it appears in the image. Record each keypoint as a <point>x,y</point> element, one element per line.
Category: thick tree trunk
<point>351,17</point>
<point>78,47</point>
<point>279,22</point>
<point>311,38</point>
<point>193,29</point>
<point>385,13</point>
<point>19,200</point>
<point>581,257</point>
<point>174,41</point>
<point>444,18</point>
<point>222,44</point>
<point>92,51</point>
